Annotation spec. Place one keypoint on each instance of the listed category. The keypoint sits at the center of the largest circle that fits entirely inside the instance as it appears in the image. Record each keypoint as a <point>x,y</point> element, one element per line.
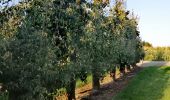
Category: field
<point>152,83</point>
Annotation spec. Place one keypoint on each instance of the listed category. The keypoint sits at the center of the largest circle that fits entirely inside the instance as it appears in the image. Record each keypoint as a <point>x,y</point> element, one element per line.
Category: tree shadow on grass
<point>167,69</point>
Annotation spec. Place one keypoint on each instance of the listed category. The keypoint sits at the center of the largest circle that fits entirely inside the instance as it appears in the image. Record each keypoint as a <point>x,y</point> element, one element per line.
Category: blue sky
<point>154,23</point>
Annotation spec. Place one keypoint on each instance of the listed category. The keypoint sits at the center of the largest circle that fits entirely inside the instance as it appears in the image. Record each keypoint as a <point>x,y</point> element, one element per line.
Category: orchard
<point>47,45</point>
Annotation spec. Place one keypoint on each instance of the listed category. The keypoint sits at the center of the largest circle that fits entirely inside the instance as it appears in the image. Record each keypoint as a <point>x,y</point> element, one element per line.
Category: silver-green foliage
<point>54,40</point>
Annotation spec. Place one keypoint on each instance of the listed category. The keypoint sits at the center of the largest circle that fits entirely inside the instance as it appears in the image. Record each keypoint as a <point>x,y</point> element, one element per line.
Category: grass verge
<point>152,83</point>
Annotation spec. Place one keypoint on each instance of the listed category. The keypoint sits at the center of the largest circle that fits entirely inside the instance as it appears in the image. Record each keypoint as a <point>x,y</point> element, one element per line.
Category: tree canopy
<point>48,44</point>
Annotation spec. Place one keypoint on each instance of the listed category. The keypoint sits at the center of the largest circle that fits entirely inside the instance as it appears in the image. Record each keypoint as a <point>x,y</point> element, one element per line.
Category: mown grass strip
<point>152,83</point>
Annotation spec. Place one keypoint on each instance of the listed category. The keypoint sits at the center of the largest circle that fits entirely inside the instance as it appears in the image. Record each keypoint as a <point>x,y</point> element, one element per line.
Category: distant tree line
<point>157,54</point>
<point>146,44</point>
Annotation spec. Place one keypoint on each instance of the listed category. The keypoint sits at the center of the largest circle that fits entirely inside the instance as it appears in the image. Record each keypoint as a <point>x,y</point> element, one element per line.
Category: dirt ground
<point>108,87</point>
<point>153,63</point>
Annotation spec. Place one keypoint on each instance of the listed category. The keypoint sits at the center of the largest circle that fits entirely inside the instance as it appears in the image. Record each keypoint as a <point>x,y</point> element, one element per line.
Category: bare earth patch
<point>108,87</point>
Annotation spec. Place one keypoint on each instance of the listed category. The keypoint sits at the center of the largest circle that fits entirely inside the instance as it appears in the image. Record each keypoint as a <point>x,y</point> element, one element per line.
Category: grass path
<point>152,83</point>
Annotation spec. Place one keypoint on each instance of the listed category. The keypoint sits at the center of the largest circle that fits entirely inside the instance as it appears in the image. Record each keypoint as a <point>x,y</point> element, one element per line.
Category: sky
<point>154,20</point>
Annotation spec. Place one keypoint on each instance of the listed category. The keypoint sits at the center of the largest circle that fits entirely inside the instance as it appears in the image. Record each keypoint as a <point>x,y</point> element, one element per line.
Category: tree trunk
<point>71,89</point>
<point>96,80</point>
<point>72,85</point>
<point>122,69</point>
<point>113,74</point>
<point>134,66</point>
<point>128,68</point>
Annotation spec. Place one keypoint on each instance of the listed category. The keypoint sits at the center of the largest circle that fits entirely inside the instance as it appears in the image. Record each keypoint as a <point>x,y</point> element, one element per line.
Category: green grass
<point>79,83</point>
<point>4,96</point>
<point>152,83</point>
